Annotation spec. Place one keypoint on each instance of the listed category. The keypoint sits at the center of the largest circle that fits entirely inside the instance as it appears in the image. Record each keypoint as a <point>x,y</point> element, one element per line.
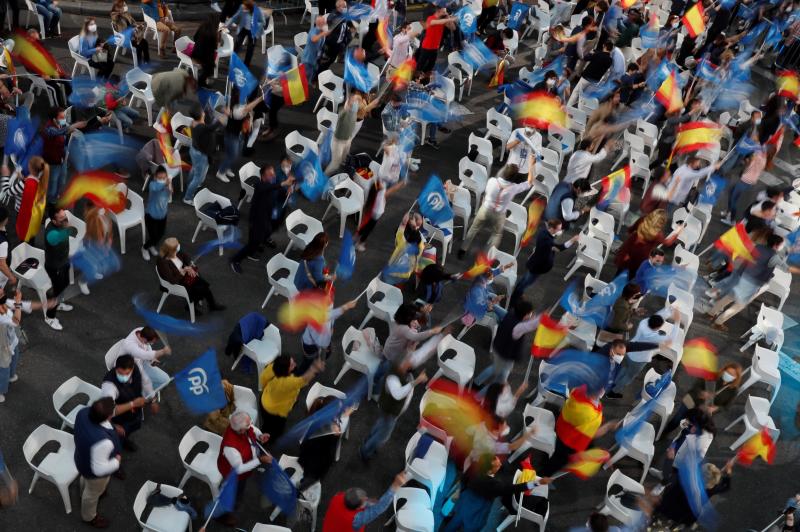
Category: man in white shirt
<point>684,178</point>
<point>139,344</point>
<point>492,213</point>
<point>524,141</point>
<point>6,275</point>
<point>581,161</point>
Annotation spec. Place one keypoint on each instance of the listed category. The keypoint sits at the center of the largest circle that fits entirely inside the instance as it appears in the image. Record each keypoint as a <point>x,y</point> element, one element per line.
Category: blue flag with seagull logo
<point>200,384</point>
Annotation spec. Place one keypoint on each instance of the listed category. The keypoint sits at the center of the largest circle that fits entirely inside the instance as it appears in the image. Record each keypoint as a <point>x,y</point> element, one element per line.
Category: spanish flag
<point>384,35</point>
<point>579,420</point>
<point>614,184</point>
<point>700,359</point>
<point>548,337</point>
<point>535,210</point>
<point>539,110</point>
<point>455,413</point>
<point>586,464</point>
<point>527,473</point>
<point>32,207</point>
<point>310,308</point>
<point>693,20</point>
<point>626,4</point>
<point>499,74</point>
<point>33,56</point>
<point>97,185</point>
<point>12,70</point>
<point>736,243</point>
<point>482,265</point>
<point>295,85</point>
<point>759,445</point>
<point>694,136</point>
<point>403,74</point>
<point>788,84</point>
<point>669,94</point>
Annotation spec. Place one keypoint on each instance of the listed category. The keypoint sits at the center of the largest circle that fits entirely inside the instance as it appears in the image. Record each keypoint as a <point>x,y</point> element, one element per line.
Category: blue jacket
<point>257,22</point>
<point>86,45</point>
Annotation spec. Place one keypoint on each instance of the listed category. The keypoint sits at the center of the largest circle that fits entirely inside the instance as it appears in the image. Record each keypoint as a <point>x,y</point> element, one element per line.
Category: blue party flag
<point>425,107</point>
<point>732,92</point>
<point>256,23</point>
<point>229,241</point>
<point>433,202</point>
<point>95,262</point>
<point>314,180</point>
<point>279,61</point>
<point>356,73</point>
<point>656,387</point>
<point>325,148</point>
<point>99,149</point>
<point>22,142</point>
<point>169,325</point>
<point>690,475</point>
<point>241,76</point>
<point>226,500</point>
<point>706,70</point>
<point>571,302</point>
<point>517,15</point>
<point>347,258</point>
<point>634,422</point>
<point>600,90</point>
<point>612,17</point>
<point>467,21</point>
<point>793,247</point>
<point>476,54</point>
<point>86,92</point>
<point>747,145</point>
<point>774,35</point>
<point>278,487</point>
<point>712,190</point>
<point>477,300</point>
<point>572,368</point>
<point>357,12</point>
<point>200,384</point>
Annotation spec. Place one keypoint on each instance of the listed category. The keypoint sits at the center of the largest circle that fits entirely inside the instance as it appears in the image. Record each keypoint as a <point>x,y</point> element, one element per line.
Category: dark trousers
<point>142,51</point>
<point>365,231</point>
<point>200,290</point>
<point>527,280</point>
<point>131,423</point>
<point>329,54</point>
<point>487,15</point>
<point>155,230</point>
<point>557,461</point>
<point>675,421</point>
<point>275,104</point>
<point>256,236</point>
<point>105,68</point>
<point>272,424</point>
<point>237,45</point>
<point>60,279</point>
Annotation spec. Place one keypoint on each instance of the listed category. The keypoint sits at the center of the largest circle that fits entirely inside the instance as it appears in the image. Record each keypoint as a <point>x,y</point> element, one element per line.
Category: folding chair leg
<point>197,231</point>
<point>161,303</point>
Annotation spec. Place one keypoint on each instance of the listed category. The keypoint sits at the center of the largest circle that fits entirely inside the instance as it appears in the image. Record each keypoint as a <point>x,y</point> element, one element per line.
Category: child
<point>126,115</point>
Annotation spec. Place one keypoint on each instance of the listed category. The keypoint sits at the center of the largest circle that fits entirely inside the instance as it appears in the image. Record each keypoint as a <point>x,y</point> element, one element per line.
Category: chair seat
<point>168,518</point>
<point>368,360</point>
<point>415,518</point>
<point>286,283</point>
<point>128,218</point>
<point>349,205</point>
<point>60,467</point>
<point>73,414</point>
<point>206,464</point>
<point>265,351</point>
<point>641,444</point>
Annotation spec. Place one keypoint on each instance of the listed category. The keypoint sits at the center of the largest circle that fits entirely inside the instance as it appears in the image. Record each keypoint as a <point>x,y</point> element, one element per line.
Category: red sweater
<point>240,442</point>
<point>339,518</point>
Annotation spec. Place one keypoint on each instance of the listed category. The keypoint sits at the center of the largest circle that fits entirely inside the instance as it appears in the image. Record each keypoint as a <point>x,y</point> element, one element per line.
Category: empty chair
<point>442,233</point>
<point>161,518</point>
<point>768,323</point>
<point>203,465</point>
<point>269,30</point>
<point>755,418</point>
<point>72,388</point>
<point>184,59</point>
<point>358,356</point>
<point>34,277</point>
<point>460,71</point>
<point>640,448</point>
<point>683,302</point>
<point>612,505</point>
<point>132,216</point>
<point>181,126</point>
<point>204,221</point>
<point>140,83</point>
<point>170,289</point>
<point>544,435</point>
<point>326,121</point>
<point>74,50</point>
<point>764,368</point>
<point>685,259</point>
<point>526,513</point>
<point>283,285</point>
<point>506,278</point>
<point>576,119</point>
<point>383,300</point>
<point>601,226</point>
<point>262,350</point>
<point>56,467</point>
<point>589,254</point>
<point>473,177</point>
<point>348,201</point>
<point>462,206</point>
<point>301,229</point>
<point>331,88</point>
<point>516,222</point>
<point>673,352</point>
<point>484,148</point>
<point>498,126</point>
<point>545,181</point>
<point>224,50</point>
<point>458,367</point>
<point>413,510</point>
<point>246,173</point>
<point>298,146</point>
<point>779,285</point>
<point>692,229</point>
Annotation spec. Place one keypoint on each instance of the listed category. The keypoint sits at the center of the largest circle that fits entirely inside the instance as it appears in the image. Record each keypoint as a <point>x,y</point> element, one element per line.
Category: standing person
<point>597,65</point>
<point>685,178</point>
<point>756,162</point>
<point>207,41</point>
<point>241,451</point>
<point>387,183</point>
<point>95,50</point>
<point>655,197</point>
<point>396,395</point>
<point>543,257</point>
<point>54,151</point>
<point>317,343</point>
<point>350,510</point>
<point>500,191</point>
<point>204,144</point>
<point>523,142</point>
<point>337,40</point>
<point>267,199</point>
<point>581,161</point>
<point>311,273</point>
<point>429,48</point>
<point>250,24</point>
<point>176,267</point>
<point>344,132</point>
<point>313,49</point>
<point>10,318</point>
<point>280,390</point>
<point>123,384</point>
<point>97,456</point>
<point>623,311</point>
<point>7,277</point>
<point>159,191</point>
<point>408,248</point>
<point>233,134</point>
<point>643,236</point>
<point>56,262</point>
<point>562,202</point>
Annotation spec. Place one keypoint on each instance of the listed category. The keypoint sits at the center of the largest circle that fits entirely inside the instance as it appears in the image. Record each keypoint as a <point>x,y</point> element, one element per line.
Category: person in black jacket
<point>543,256</point>
<point>597,65</point>
<point>674,509</point>
<point>204,144</point>
<point>124,385</point>
<point>267,197</point>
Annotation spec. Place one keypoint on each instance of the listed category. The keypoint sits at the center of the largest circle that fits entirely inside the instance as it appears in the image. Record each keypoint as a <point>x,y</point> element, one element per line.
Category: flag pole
<point>528,371</point>
<point>210,514</point>
<point>157,390</point>
<point>705,250</point>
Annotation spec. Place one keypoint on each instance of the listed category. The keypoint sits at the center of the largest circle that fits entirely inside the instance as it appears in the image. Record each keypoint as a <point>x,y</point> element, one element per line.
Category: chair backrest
<point>326,119</point>
<point>280,261</point>
<point>140,503</point>
<point>74,46</point>
<point>69,389</point>
<point>194,436</point>
<point>356,192</point>
<point>248,170</point>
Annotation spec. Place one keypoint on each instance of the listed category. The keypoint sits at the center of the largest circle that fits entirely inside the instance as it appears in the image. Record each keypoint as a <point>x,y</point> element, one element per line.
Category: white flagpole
<point>157,390</point>
<point>216,503</point>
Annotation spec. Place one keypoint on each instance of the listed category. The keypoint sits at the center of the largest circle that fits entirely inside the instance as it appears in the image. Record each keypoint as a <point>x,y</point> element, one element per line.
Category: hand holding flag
<point>482,265</point>
<point>535,211</point>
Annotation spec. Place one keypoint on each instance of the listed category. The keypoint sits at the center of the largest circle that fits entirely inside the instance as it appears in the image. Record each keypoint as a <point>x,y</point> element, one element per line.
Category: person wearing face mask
<point>268,197</point>
<point>522,143</point>
<point>543,257</point>
<point>56,262</point>
<point>123,384</point>
<point>55,135</point>
<point>341,31</point>
<point>654,261</point>
<point>314,43</point>
<point>280,388</point>
<point>10,317</point>
<point>176,267</point>
<point>94,49</point>
<point>616,350</point>
<point>159,191</point>
<point>121,19</point>
<point>160,12</point>
<point>548,84</point>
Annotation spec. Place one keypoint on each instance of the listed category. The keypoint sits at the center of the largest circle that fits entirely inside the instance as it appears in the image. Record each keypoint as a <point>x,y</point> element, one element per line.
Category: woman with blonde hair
<point>94,49</point>
<point>176,267</point>
<point>643,236</point>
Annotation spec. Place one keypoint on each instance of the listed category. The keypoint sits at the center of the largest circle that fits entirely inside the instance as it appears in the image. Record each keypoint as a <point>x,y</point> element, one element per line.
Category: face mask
<point>177,249</point>
<point>756,121</point>
<point>123,378</point>
<point>92,28</point>
<point>529,131</point>
<point>617,359</point>
<point>551,82</point>
<point>62,122</point>
<point>286,168</point>
<point>727,377</point>
<point>124,9</point>
<point>505,403</point>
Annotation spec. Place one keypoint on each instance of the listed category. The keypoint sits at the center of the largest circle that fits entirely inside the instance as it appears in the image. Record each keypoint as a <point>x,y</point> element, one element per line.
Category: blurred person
<point>176,267</point>
<point>280,389</point>
<point>351,510</point>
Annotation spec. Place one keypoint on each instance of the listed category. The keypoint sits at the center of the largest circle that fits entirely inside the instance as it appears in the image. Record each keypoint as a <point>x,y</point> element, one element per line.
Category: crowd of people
<point>592,98</point>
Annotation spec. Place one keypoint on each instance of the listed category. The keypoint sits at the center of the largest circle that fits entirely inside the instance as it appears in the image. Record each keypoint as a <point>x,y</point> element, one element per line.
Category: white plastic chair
<point>284,286</point>
<point>73,387</point>
<point>312,227</point>
<point>460,367</point>
<point>170,289</point>
<point>300,41</point>
<point>204,221</point>
<point>767,322</point>
<point>331,88</point>
<point>263,351</point>
<point>460,71</point>
<point>132,216</point>
<point>259,527</point>
<point>32,9</point>
<point>498,126</point>
<point>685,259</point>
<point>543,438</point>
<point>161,518</point>
<point>358,356</point>
<point>326,121</point>
<point>545,181</point>
<point>755,418</point>
<point>506,278</point>
<point>225,50</point>
<point>764,369</point>
<point>412,510</point>
<point>293,140</point>
<point>35,278</point>
<point>485,151</point>
<point>576,120</point>
<point>516,223</point>
<point>683,302</point>
<point>56,467</point>
<point>312,10</point>
<point>178,121</point>
<point>429,470</point>
<point>612,504</point>
<point>245,399</point>
<point>690,236</point>
<point>382,307</point>
<point>74,50</point>
<point>462,206</point>
<point>150,25</point>
<point>589,254</point>
<point>600,225</point>
<point>673,352</point>
<point>140,84</point>
<point>318,390</point>
<point>442,233</point>
<point>779,285</point>
<point>269,30</point>
<point>473,177</point>
<point>248,170</point>
<point>348,203</point>
<point>203,465</point>
<point>184,60</point>
<point>524,513</point>
<point>640,448</point>
<point>665,402</point>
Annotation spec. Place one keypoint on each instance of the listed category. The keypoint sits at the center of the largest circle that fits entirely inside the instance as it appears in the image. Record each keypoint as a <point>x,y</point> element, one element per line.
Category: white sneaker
<point>188,202</point>
<point>64,307</point>
<point>230,173</point>
<point>54,323</point>
<point>223,178</point>
<point>727,220</point>
<point>215,7</point>
<point>153,251</point>
<point>84,288</point>
<point>145,254</point>
<point>2,398</point>
<point>361,247</point>
<point>14,378</point>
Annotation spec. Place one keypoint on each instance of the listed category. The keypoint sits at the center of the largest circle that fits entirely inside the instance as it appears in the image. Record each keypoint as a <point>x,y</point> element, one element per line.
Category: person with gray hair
<point>241,451</point>
<point>350,509</point>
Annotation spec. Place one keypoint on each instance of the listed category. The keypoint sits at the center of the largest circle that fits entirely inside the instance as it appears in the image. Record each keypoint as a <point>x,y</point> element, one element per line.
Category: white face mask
<point>178,249</point>
<point>529,131</point>
<point>727,377</point>
<point>558,233</point>
<point>124,9</point>
<point>618,358</point>
<point>286,168</point>
<point>551,82</point>
<point>505,403</point>
<point>92,28</point>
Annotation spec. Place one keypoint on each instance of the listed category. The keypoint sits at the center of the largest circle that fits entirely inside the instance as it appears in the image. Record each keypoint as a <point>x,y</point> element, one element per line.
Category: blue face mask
<point>123,378</point>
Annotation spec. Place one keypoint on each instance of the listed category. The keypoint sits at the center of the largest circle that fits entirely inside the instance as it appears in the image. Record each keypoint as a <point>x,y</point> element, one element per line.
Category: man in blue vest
<point>562,202</point>
<point>97,456</point>
<point>123,384</point>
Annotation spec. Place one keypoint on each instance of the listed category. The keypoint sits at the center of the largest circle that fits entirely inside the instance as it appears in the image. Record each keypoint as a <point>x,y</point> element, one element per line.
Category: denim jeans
<point>157,376</point>
<point>10,371</point>
<point>233,149</point>
<point>198,173</point>
<point>627,372</point>
<point>380,434</point>
<point>497,372</point>
<point>527,280</point>
<point>733,197</point>
<point>126,116</point>
<point>58,178</point>
<point>51,15</point>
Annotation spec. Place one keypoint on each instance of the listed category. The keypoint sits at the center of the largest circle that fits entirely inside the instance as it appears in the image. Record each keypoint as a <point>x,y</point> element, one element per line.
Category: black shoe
<point>614,395</point>
<point>217,308</point>
<point>236,267</point>
<point>128,445</point>
<point>461,254</point>
<point>445,129</point>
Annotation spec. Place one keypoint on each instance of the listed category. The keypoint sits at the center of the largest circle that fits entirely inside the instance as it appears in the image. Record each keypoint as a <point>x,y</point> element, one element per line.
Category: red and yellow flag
<point>482,265</point>
<point>548,337</point>
<point>295,85</point>
<point>540,110</point>
<point>97,185</point>
<point>626,4</point>
<point>403,74</point>
<point>693,20</point>
<point>579,420</point>
<point>33,56</point>
<point>700,359</point>
<point>669,94</point>
<point>32,207</point>
<point>694,136</point>
<point>736,243</point>
<point>526,474</point>
<point>455,413</point>
<point>586,464</point>
<point>12,70</point>
<point>788,84</point>
<point>761,445</point>
<point>310,308</point>
<point>499,74</point>
<point>614,186</point>
<point>535,210</point>
<point>384,35</point>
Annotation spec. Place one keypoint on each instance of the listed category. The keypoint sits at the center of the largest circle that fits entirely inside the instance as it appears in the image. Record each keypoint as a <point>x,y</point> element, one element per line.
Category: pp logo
<point>198,381</point>
<point>436,201</point>
<point>239,77</point>
<point>309,173</point>
<point>468,19</point>
<point>711,188</point>
<point>19,139</point>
